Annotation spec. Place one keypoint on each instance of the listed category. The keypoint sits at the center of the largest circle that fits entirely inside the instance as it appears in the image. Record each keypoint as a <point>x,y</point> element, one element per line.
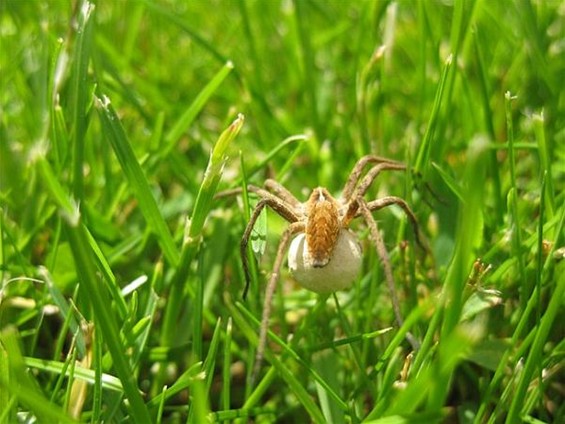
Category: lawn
<point>123,126</point>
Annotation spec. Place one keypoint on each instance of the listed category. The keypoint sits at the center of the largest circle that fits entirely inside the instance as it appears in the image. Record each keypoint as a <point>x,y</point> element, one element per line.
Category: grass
<point>121,275</point>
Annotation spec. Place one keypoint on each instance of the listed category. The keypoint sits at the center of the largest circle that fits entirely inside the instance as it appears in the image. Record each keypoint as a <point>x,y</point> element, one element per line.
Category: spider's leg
<point>280,205</point>
<point>227,193</point>
<point>383,202</point>
<point>272,189</point>
<point>351,192</point>
<point>281,208</point>
<point>292,229</point>
<point>280,191</point>
<point>355,175</point>
<point>373,173</point>
<point>377,240</point>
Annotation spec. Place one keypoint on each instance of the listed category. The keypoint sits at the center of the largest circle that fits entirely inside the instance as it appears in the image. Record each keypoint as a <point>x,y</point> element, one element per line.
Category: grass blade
<point>94,291</point>
<point>21,384</point>
<point>80,100</point>
<point>193,230</point>
<point>187,118</point>
<point>122,148</point>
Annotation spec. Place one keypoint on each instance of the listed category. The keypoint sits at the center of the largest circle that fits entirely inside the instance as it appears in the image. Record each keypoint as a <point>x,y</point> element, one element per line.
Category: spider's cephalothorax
<point>325,255</point>
<point>322,226</point>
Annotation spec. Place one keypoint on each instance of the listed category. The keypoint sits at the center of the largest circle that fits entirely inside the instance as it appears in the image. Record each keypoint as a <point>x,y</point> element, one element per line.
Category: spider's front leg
<point>282,193</point>
<point>280,207</point>
<point>294,228</point>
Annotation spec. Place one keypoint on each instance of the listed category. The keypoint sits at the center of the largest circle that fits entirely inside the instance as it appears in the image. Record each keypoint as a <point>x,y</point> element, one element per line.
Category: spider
<point>325,256</point>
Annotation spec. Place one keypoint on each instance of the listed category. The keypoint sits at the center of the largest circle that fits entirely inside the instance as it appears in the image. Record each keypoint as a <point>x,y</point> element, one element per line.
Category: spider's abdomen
<point>339,274</point>
<point>322,226</point>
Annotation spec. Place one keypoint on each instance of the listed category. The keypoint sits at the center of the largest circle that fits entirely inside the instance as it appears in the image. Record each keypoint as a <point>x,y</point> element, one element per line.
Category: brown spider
<point>325,256</point>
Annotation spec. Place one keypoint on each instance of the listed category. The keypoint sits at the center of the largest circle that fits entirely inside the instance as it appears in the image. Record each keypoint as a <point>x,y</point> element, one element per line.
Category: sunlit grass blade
<point>182,23</point>
<point>7,398</point>
<point>65,308</point>
<point>300,139</point>
<point>470,230</point>
<point>110,216</point>
<point>99,301</point>
<point>212,177</point>
<point>109,276</point>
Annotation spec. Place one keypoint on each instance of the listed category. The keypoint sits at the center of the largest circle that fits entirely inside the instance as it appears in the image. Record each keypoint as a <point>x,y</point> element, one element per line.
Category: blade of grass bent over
<point>95,292</point>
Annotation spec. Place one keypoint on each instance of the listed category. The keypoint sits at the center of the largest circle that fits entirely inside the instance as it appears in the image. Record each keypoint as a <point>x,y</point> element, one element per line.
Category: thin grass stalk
<point>80,100</point>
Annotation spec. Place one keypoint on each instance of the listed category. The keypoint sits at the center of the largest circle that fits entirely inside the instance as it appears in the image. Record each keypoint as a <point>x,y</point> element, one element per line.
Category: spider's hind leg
<point>376,238</point>
<point>383,202</point>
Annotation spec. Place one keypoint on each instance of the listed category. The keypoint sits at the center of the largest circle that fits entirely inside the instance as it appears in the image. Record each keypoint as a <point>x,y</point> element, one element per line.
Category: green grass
<point>121,275</point>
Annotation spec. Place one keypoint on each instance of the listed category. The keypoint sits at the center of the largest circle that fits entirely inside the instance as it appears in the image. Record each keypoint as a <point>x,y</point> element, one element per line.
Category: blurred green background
<point>94,197</point>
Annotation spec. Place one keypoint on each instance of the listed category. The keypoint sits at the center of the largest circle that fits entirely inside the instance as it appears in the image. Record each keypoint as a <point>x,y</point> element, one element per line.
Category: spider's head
<point>322,226</point>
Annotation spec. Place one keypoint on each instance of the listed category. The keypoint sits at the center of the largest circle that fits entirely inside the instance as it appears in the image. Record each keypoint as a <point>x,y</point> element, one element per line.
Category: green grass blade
<point>94,291</point>
<point>109,382</point>
<point>184,122</point>
<point>185,380</point>
<point>321,84</point>
<point>212,177</point>
<point>81,92</point>
<point>545,162</point>
<point>489,124</point>
<point>240,321</point>
<point>516,230</point>
<point>100,301</point>
<point>117,138</point>
<point>194,228</point>
<point>422,163</point>
<point>204,392</point>
<point>308,58</point>
<point>22,385</point>
<point>226,372</point>
<point>450,182</point>
<point>534,360</point>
